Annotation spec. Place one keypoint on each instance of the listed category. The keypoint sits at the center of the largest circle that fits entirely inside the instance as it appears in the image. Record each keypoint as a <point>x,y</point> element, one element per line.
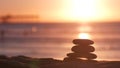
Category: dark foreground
<point>28,62</point>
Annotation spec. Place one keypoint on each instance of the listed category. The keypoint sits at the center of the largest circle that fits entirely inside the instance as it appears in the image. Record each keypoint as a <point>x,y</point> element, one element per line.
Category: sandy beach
<point>28,62</point>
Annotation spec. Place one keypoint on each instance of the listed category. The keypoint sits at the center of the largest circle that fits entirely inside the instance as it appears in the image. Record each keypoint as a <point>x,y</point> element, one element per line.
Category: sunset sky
<point>64,10</point>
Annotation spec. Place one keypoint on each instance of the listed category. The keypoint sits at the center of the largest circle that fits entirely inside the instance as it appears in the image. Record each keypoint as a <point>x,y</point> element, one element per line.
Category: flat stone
<point>82,49</point>
<point>80,55</point>
<point>71,59</point>
<point>83,41</point>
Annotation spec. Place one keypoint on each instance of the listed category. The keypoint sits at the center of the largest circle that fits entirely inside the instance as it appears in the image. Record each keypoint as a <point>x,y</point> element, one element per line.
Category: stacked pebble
<point>82,49</point>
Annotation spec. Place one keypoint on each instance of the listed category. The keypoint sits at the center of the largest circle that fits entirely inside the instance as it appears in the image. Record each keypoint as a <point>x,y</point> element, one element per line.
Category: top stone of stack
<point>83,41</point>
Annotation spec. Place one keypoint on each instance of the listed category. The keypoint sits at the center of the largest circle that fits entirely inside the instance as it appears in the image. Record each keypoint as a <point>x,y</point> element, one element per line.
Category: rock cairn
<point>81,51</point>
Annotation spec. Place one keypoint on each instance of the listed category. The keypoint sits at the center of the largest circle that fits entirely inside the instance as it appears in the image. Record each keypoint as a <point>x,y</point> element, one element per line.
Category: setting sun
<point>85,10</point>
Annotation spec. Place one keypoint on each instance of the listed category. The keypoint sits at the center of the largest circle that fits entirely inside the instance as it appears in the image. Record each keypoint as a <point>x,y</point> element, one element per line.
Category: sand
<point>28,62</point>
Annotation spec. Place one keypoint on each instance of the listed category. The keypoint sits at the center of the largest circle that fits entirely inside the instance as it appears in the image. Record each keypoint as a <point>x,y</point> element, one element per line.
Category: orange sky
<point>64,10</point>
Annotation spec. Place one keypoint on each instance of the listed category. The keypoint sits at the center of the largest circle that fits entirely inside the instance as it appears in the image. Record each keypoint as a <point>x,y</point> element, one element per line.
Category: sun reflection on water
<point>84,36</point>
<point>84,30</point>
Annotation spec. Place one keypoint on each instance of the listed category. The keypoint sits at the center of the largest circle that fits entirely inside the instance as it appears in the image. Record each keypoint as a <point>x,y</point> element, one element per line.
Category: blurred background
<point>46,28</point>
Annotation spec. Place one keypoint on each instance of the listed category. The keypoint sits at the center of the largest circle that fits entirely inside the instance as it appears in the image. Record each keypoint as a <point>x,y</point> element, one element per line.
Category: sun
<point>84,10</point>
<point>84,36</point>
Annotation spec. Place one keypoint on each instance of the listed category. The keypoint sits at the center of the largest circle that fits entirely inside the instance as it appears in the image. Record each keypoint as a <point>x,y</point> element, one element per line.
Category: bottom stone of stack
<point>88,56</point>
<point>71,59</point>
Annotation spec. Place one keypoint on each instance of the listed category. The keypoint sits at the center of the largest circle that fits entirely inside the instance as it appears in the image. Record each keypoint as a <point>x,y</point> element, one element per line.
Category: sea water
<point>54,40</point>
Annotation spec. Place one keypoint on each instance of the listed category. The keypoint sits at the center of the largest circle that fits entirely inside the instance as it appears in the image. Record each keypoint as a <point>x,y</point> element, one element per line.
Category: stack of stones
<point>81,51</point>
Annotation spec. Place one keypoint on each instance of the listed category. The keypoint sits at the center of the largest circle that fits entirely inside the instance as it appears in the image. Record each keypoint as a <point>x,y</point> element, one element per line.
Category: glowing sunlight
<point>84,30</point>
<point>82,10</point>
<point>84,36</point>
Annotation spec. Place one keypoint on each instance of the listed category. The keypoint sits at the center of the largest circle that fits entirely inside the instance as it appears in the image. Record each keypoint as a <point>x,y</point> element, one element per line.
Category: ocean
<point>54,40</point>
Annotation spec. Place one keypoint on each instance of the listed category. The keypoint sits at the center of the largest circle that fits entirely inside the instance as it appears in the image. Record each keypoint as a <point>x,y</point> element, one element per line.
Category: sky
<point>64,10</point>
